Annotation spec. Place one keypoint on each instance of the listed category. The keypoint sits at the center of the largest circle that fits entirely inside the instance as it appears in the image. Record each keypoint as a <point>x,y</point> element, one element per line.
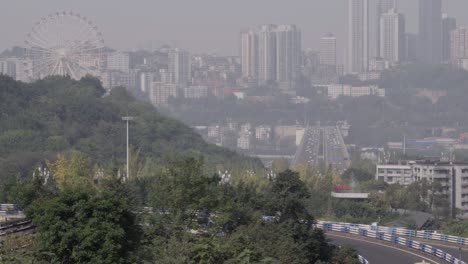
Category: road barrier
<point>389,237</point>
<point>409,233</point>
<point>363,260</point>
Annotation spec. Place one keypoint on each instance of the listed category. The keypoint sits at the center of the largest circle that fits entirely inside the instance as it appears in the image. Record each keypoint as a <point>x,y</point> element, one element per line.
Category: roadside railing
<point>410,233</point>
<point>389,237</point>
<point>362,260</point>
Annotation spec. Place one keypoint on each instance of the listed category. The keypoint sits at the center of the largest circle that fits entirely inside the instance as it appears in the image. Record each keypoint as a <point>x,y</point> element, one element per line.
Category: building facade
<point>118,61</point>
<point>358,36</point>
<point>180,69</point>
<point>328,50</point>
<point>288,55</point>
<point>267,53</point>
<point>451,178</point>
<point>430,31</point>
<point>449,24</point>
<point>160,93</point>
<point>392,36</point>
<point>383,6</point>
<point>249,54</point>
<point>459,45</point>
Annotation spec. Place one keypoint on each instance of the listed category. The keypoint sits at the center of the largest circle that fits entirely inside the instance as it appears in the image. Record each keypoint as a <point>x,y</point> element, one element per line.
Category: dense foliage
<point>175,207</point>
<point>59,114</point>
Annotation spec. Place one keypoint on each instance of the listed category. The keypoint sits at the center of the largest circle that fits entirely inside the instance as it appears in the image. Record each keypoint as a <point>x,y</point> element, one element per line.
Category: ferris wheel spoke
<point>64,43</point>
<point>43,68</point>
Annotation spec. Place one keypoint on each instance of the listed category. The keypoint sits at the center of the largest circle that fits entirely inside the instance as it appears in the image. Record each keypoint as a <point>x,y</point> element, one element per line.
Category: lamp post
<point>127,119</point>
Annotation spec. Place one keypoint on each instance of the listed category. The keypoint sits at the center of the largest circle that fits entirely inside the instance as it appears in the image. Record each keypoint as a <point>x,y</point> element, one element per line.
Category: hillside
<point>57,115</point>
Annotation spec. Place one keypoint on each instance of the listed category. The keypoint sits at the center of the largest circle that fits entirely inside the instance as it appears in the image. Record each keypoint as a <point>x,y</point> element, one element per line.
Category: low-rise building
<point>452,179</point>
<point>336,90</point>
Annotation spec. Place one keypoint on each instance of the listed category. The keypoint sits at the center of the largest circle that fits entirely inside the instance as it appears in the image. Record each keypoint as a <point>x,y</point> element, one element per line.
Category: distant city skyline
<point>207,26</point>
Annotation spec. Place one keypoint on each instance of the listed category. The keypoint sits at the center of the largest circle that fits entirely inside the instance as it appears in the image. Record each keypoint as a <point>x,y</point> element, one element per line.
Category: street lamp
<point>127,119</point>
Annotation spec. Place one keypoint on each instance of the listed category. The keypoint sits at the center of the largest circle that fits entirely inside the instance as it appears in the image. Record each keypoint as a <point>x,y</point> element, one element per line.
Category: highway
<point>379,252</point>
<point>323,145</point>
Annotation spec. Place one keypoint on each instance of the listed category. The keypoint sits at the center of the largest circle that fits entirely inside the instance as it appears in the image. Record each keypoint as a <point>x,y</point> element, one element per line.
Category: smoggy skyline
<point>203,26</point>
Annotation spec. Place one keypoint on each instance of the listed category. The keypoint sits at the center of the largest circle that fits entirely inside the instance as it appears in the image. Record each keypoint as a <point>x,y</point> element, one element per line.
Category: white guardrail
<point>363,260</point>
<point>389,237</point>
<point>409,233</point>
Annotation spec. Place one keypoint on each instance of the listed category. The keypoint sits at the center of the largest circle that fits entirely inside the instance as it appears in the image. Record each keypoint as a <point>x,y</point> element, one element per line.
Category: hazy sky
<point>210,26</point>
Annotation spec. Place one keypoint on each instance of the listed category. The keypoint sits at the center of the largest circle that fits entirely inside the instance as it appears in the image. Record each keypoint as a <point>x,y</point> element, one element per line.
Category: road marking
<point>384,245</point>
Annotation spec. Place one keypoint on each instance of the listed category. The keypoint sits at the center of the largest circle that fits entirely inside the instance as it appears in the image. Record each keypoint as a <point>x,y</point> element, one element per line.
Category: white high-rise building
<point>8,67</point>
<point>358,36</point>
<point>180,68</point>
<point>249,54</point>
<point>267,53</point>
<point>328,50</point>
<point>459,45</point>
<point>24,70</point>
<point>288,55</point>
<point>392,36</point>
<point>383,6</point>
<point>118,61</point>
<point>430,31</point>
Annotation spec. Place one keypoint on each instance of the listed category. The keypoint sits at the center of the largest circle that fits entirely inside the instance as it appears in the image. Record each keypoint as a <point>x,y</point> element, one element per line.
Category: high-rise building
<point>448,25</point>
<point>8,67</point>
<point>328,50</point>
<point>161,92</point>
<point>392,36</point>
<point>430,31</point>
<point>288,55</point>
<point>383,6</point>
<point>459,45</point>
<point>267,53</point>
<point>411,47</point>
<point>180,69</point>
<point>249,54</point>
<point>118,61</point>
<point>358,36</point>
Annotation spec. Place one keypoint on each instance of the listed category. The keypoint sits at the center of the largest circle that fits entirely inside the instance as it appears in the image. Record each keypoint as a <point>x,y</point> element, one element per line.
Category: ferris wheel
<point>65,43</point>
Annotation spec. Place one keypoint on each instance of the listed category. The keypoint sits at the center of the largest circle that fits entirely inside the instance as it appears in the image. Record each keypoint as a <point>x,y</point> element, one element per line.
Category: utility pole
<point>127,119</point>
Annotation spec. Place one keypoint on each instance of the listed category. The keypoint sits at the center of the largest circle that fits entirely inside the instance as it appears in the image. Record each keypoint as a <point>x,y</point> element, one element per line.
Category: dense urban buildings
<point>358,36</point>
<point>430,31</point>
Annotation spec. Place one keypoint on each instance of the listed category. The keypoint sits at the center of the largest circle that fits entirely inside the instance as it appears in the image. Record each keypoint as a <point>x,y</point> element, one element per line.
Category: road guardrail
<point>389,237</point>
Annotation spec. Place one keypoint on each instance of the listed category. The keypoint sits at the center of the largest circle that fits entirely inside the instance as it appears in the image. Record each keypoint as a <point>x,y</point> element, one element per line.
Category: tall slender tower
<point>383,6</point>
<point>430,31</point>
<point>288,55</point>
<point>392,36</point>
<point>448,25</point>
<point>249,54</point>
<point>267,53</point>
<point>358,36</point>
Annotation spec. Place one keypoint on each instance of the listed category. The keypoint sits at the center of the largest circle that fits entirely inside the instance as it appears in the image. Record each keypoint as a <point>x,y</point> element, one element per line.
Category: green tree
<point>82,226</point>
